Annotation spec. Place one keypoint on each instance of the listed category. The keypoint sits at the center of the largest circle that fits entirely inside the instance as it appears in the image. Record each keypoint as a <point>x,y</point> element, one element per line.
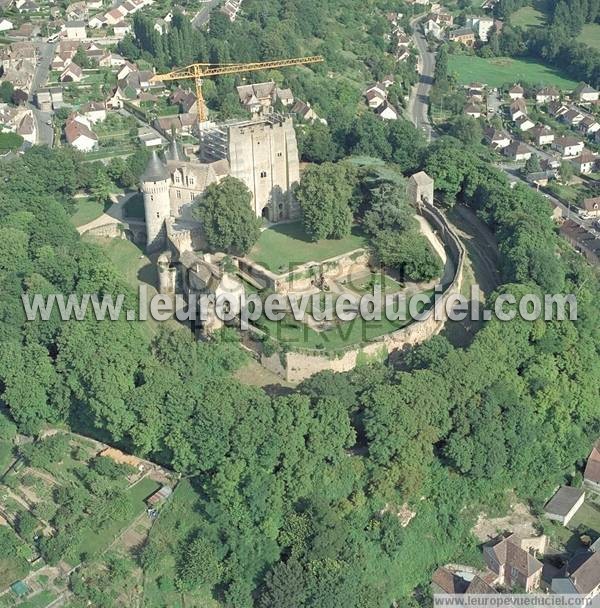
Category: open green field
<point>590,35</point>
<point>499,71</point>
<point>285,246</point>
<point>528,16</point>
<point>86,210</point>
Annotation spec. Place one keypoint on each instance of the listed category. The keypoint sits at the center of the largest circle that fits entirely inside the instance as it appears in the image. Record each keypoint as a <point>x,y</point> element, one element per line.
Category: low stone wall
<point>301,277</point>
<point>296,366</point>
<point>112,230</point>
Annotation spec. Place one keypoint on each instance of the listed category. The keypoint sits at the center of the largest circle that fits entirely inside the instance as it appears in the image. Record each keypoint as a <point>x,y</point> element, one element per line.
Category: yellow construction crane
<point>198,71</point>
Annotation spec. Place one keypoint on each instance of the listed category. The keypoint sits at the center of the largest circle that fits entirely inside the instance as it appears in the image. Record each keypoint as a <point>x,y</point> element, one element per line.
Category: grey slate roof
<point>155,171</point>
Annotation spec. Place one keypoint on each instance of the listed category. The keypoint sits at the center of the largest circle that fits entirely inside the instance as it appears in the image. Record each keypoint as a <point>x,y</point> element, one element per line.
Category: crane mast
<point>198,71</point>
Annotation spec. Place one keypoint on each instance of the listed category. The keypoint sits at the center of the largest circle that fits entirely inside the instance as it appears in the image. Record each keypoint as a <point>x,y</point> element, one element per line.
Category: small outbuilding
<point>564,504</point>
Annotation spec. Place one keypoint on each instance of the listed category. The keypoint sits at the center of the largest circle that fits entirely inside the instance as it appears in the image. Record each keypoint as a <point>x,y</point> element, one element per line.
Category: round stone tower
<point>155,182</point>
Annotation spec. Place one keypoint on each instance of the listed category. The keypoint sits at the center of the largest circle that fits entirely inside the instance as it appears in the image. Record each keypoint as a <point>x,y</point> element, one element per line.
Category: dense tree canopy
<point>228,220</point>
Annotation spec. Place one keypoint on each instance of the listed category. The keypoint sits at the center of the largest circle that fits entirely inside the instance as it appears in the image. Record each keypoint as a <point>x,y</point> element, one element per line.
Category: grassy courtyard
<point>500,71</point>
<point>286,246</point>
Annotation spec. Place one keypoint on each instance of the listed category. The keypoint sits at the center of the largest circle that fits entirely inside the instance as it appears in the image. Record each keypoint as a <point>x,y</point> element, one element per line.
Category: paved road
<point>44,131</point>
<point>419,101</point>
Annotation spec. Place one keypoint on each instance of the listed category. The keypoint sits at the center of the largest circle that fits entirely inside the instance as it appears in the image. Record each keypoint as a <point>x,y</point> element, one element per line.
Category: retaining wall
<point>296,366</point>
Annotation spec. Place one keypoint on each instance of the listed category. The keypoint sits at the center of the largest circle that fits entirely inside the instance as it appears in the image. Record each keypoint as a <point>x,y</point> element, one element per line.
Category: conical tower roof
<point>175,151</point>
<point>155,170</point>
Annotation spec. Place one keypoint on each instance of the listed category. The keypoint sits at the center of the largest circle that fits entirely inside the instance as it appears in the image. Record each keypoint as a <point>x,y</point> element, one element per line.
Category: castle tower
<point>155,187</point>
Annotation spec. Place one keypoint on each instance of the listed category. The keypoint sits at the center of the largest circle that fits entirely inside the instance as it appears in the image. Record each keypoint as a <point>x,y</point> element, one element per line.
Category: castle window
<point>191,181</point>
<point>157,214</point>
<point>178,193</point>
<point>263,174</point>
<point>152,197</point>
<point>279,154</point>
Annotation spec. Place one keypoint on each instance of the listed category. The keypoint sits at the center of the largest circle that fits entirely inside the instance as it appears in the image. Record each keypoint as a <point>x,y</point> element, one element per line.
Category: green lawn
<point>86,210</point>
<point>528,16</point>
<point>588,517</point>
<point>285,246</point>
<point>499,71</point>
<point>590,35</point>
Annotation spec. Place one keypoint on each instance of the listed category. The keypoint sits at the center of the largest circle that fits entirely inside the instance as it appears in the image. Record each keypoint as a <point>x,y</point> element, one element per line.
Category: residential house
<point>568,146</point>
<point>591,208</point>
<point>595,546</point>
<point>6,25</point>
<point>26,128</point>
<point>572,117</point>
<point>482,26</point>
<point>524,123</point>
<point>512,564</point>
<point>516,92</point>
<point>27,6</point>
<point>591,476</point>
<point>464,35</point>
<point>255,97</point>
<point>386,111</point>
<point>182,123</point>
<point>56,95</point>
<point>43,100</point>
<point>75,30</point>
<point>472,110</point>
<point>517,151</point>
<point>497,139</point>
<point>547,94</point>
<point>60,61</point>
<point>564,504</point>
<point>584,93</point>
<point>97,22</point>
<point>542,135</point>
<point>476,91</point>
<point>517,108</point>
<point>375,98</point>
<point>432,27</point>
<point>540,178</point>
<point>285,96</point>
<point>72,73</point>
<point>80,136</point>
<point>126,69</point>
<point>586,162</point>
<point>589,125</point>
<point>304,111</point>
<point>121,29</point>
<point>94,111</point>
<point>231,8</point>
<point>557,108</point>
<point>111,60</point>
<point>581,576</point>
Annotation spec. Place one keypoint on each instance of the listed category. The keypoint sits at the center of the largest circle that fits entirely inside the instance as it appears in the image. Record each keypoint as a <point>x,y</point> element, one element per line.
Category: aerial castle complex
<point>261,152</point>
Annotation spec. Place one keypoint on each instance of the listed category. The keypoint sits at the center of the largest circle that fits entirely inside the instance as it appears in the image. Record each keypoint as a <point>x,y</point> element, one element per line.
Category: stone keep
<point>155,182</point>
<point>264,155</point>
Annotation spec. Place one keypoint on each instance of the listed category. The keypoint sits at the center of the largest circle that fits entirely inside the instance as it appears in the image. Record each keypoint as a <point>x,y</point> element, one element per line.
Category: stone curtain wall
<point>297,366</point>
<point>299,279</point>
